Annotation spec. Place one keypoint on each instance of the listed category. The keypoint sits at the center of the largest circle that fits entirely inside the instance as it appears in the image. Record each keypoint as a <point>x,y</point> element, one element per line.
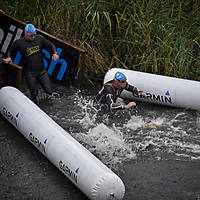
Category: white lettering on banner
<point>6,43</point>
<point>9,37</point>
<point>18,34</point>
<point>1,35</point>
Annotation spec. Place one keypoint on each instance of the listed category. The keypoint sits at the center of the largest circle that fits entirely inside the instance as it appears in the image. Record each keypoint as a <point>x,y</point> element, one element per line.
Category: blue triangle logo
<point>17,115</point>
<point>45,141</point>
<point>77,170</point>
<point>167,93</point>
<point>112,195</point>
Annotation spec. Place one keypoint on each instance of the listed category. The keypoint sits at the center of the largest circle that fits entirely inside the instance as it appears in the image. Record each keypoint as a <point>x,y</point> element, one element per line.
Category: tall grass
<point>156,36</point>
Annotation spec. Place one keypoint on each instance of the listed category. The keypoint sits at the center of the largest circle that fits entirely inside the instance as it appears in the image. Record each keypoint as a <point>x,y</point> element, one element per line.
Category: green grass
<point>156,36</point>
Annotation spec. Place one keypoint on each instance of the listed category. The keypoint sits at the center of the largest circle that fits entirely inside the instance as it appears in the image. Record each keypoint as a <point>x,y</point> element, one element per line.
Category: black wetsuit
<point>108,95</point>
<point>32,62</point>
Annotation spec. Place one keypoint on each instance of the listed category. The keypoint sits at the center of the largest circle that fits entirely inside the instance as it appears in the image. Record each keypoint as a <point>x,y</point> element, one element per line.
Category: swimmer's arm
<point>134,90</point>
<point>114,106</point>
<point>111,104</point>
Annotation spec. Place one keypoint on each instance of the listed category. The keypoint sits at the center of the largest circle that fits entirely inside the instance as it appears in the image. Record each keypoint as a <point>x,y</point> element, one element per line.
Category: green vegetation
<point>156,36</point>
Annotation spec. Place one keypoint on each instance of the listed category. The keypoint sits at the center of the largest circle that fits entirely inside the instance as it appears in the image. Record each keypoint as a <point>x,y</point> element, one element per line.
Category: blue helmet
<point>30,29</point>
<point>119,76</point>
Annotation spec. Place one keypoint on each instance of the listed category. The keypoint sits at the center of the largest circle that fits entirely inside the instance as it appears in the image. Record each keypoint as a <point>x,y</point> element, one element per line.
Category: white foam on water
<point>160,134</point>
<point>198,120</point>
<point>158,121</point>
<point>139,122</point>
<point>87,122</point>
<point>108,143</point>
<point>135,123</point>
<point>150,133</point>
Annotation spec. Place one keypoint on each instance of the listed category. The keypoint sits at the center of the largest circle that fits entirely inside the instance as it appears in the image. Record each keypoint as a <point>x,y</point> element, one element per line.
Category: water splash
<point>99,135</point>
<point>108,144</point>
<point>136,122</point>
<point>150,132</point>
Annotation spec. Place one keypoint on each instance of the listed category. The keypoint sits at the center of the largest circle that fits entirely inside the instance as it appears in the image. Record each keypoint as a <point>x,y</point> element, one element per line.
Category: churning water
<point>148,130</point>
<point>123,140</point>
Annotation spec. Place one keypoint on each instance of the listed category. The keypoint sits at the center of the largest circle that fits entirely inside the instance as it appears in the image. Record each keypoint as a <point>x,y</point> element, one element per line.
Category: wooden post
<point>82,70</point>
<point>19,79</point>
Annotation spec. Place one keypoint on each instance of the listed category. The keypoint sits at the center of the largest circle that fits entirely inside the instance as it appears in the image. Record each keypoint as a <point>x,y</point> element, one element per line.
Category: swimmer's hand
<point>130,104</point>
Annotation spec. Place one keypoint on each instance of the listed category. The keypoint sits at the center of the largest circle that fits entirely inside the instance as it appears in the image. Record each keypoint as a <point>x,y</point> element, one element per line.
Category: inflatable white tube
<point>160,89</point>
<point>89,174</point>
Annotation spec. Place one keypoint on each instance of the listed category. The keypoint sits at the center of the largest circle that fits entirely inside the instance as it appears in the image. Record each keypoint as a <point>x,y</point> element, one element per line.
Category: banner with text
<point>62,71</point>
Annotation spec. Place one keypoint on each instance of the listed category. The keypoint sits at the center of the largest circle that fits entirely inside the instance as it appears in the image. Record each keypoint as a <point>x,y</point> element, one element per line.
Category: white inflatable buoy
<point>161,89</point>
<point>88,173</point>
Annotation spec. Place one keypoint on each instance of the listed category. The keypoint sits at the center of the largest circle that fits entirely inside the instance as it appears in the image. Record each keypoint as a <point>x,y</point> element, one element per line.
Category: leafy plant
<point>156,36</point>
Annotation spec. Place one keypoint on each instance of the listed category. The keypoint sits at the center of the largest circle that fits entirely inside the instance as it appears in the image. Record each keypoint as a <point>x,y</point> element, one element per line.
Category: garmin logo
<point>40,145</point>
<point>73,175</point>
<point>157,98</point>
<point>10,117</point>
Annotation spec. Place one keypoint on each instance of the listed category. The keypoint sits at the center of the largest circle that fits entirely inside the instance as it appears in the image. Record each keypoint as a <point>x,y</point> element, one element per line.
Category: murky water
<point>154,149</point>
